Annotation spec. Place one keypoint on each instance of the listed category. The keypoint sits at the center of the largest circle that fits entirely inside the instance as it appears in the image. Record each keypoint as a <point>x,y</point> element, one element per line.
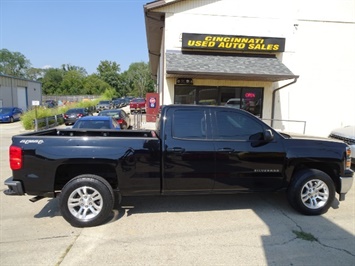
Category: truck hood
<point>344,132</point>
<point>306,137</point>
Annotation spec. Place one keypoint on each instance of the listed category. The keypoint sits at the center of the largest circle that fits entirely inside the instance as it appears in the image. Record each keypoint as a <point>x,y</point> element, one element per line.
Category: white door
<point>22,98</point>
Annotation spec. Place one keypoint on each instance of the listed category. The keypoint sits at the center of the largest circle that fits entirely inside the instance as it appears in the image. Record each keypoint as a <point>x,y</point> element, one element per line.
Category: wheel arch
<point>67,172</point>
<point>331,169</point>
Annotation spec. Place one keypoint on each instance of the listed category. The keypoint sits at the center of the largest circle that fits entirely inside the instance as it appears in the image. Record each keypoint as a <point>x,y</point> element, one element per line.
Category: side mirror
<point>268,135</point>
<point>261,138</point>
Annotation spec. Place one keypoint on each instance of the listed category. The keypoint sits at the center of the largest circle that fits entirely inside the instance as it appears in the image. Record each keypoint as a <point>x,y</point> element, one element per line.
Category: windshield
<point>94,124</point>
<point>137,100</point>
<point>109,113</point>
<point>75,111</point>
<point>5,110</point>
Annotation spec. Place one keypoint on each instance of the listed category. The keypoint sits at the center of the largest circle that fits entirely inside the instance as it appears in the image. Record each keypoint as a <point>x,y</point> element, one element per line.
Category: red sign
<point>249,95</point>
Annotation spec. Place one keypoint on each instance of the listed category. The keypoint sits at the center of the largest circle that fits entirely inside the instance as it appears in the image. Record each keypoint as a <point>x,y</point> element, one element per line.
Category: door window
<point>189,124</point>
<point>235,126</point>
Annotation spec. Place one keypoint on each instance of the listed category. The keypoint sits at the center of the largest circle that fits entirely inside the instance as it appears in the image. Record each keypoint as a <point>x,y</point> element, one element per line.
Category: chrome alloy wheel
<point>315,194</point>
<point>85,203</point>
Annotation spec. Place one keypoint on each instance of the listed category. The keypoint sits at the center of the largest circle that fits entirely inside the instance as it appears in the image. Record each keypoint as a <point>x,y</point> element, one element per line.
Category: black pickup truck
<point>195,150</point>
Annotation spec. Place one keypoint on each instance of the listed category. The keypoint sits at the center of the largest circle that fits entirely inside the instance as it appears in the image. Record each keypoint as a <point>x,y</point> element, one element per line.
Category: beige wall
<point>320,41</point>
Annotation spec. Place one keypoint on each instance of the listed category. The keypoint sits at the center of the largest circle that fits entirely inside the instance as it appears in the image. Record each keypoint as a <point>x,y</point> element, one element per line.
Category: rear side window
<point>235,126</point>
<point>189,124</point>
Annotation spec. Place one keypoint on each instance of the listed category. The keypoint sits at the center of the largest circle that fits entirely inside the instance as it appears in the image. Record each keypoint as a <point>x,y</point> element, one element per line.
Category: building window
<point>185,95</point>
<point>246,98</point>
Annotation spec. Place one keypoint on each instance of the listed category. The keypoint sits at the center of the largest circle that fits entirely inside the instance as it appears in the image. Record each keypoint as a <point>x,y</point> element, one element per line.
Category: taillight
<point>15,157</point>
<point>80,115</point>
<point>120,121</point>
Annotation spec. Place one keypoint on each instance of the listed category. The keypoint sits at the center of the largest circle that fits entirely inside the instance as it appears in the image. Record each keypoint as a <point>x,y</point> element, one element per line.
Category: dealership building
<point>289,62</point>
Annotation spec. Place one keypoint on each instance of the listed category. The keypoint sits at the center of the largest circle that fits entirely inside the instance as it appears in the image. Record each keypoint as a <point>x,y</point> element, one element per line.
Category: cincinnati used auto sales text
<point>233,43</point>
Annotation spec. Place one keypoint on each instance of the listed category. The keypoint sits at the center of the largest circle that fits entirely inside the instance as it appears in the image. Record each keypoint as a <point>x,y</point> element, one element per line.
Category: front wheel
<point>86,200</point>
<point>311,192</point>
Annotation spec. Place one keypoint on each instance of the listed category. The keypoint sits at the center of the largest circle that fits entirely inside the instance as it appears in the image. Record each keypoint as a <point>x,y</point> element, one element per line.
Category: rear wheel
<point>86,200</point>
<point>311,192</point>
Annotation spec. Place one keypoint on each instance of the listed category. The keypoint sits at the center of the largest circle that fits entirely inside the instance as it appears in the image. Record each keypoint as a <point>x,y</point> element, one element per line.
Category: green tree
<point>109,93</point>
<point>126,88</point>
<point>13,63</point>
<point>72,83</point>
<point>93,85</point>
<point>51,82</point>
<point>68,67</point>
<point>35,73</point>
<point>139,79</point>
<point>109,72</point>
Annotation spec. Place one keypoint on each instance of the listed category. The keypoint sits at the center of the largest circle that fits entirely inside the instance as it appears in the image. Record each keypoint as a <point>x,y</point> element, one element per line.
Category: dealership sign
<point>231,43</point>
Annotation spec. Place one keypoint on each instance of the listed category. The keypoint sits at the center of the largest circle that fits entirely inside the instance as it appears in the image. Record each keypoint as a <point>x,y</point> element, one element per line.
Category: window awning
<point>226,67</point>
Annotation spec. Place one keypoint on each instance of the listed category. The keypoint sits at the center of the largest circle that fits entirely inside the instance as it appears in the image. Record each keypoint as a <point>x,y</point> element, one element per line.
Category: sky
<point>50,33</point>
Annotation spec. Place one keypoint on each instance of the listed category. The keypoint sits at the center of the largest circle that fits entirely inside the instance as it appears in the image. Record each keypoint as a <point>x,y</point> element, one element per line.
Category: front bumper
<point>14,187</point>
<point>4,119</point>
<point>346,183</point>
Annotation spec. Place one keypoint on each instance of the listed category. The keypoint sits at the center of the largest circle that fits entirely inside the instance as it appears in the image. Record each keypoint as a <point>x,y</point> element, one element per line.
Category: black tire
<point>86,200</point>
<point>311,192</point>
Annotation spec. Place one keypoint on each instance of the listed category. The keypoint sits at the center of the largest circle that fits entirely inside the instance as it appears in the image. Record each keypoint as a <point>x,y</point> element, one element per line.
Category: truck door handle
<point>226,150</point>
<point>176,149</point>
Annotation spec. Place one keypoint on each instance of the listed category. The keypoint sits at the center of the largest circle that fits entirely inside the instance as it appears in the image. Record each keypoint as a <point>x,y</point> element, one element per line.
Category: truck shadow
<point>51,209</point>
<point>292,238</point>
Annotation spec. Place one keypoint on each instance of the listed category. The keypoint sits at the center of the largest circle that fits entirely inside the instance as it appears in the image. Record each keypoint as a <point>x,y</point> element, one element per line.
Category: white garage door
<point>22,98</point>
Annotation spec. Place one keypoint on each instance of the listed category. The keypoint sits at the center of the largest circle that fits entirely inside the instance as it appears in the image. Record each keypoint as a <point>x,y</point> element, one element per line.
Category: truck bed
<point>93,132</point>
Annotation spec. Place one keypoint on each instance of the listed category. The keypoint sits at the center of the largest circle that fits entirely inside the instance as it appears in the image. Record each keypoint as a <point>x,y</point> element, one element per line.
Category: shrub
<point>40,112</point>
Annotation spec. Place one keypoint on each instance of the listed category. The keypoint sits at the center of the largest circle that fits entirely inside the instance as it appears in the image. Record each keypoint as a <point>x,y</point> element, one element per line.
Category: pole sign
<point>232,43</point>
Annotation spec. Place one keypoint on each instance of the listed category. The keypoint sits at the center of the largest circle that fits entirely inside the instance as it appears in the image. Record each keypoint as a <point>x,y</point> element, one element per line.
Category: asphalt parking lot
<point>243,229</point>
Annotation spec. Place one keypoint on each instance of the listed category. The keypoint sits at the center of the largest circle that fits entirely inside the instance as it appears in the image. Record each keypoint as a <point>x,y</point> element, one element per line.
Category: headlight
<point>348,158</point>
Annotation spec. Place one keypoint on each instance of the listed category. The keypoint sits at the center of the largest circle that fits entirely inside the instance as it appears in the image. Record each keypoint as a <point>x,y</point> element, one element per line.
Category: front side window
<point>189,124</point>
<point>235,126</point>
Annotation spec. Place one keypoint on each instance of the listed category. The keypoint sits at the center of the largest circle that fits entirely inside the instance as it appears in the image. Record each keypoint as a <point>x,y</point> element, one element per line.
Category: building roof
<point>19,78</point>
<point>226,67</point>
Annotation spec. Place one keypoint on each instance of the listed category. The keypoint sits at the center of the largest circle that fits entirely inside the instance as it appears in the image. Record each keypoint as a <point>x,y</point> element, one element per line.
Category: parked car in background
<point>119,115</point>
<point>50,104</point>
<point>10,114</point>
<point>74,114</point>
<point>103,105</point>
<point>346,134</point>
<point>97,122</point>
<point>137,104</point>
<point>235,103</point>
<point>118,103</point>
<point>128,99</point>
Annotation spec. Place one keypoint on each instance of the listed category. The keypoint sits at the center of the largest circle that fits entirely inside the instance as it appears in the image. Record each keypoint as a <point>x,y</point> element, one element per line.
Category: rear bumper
<point>14,187</point>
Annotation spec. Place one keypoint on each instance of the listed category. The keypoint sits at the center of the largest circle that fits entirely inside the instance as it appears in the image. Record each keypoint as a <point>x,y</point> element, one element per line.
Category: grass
<point>304,236</point>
